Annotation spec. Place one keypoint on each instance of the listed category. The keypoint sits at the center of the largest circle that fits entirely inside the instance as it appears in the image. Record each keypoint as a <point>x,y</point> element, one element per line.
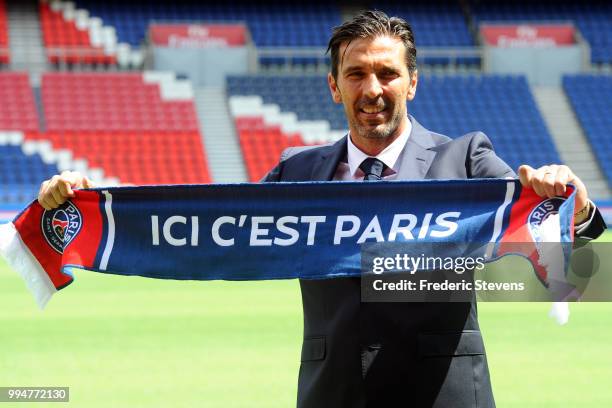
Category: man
<point>396,354</point>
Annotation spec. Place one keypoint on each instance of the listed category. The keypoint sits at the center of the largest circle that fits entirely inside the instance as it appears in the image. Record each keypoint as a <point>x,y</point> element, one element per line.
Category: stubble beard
<point>380,132</point>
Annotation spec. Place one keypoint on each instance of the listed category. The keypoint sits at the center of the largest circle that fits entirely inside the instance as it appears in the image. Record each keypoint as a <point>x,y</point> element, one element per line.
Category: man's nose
<point>372,87</point>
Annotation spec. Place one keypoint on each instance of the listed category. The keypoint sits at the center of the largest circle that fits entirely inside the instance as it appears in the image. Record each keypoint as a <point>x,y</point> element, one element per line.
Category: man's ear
<point>414,79</point>
<point>333,87</point>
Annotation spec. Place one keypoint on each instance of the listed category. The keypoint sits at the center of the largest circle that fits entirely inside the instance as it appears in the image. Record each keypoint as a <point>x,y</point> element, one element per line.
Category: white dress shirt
<point>390,156</point>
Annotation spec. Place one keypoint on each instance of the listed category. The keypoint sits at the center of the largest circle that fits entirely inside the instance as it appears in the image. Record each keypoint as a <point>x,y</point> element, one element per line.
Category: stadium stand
<point>593,18</point>
<point>115,102</point>
<point>17,106</point>
<point>4,44</point>
<point>501,106</point>
<point>68,32</point>
<point>272,23</point>
<point>307,96</point>
<point>21,168</point>
<point>275,112</point>
<point>20,173</point>
<point>140,128</point>
<point>136,128</point>
<point>590,97</point>
<point>266,109</point>
<point>275,24</point>
<point>67,38</point>
<point>262,144</point>
<point>437,24</point>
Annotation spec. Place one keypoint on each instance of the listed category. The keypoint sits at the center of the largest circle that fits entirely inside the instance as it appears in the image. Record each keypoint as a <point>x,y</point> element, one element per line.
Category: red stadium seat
<point>104,119</point>
<point>17,106</point>
<point>262,144</point>
<point>4,43</point>
<point>66,43</point>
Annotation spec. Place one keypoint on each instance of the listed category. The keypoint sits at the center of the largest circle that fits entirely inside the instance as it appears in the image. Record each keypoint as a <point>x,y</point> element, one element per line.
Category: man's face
<point>374,84</point>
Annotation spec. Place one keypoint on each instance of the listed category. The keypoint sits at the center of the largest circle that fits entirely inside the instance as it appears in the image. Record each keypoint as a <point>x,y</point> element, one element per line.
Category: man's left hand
<point>550,181</point>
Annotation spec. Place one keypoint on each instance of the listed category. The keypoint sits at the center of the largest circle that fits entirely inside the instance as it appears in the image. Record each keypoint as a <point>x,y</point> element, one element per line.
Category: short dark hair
<point>370,24</point>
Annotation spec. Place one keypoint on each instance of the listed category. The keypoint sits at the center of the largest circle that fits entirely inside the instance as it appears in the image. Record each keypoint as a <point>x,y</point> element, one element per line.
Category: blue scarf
<point>312,230</point>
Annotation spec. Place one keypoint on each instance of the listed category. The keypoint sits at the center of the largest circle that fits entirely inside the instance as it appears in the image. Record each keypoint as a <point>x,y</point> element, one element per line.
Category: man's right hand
<point>55,191</point>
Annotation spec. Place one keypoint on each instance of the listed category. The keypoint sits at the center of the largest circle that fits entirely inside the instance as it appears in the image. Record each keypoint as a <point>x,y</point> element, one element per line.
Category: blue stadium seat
<point>590,96</point>
<point>272,23</point>
<point>21,174</point>
<point>277,24</point>
<point>440,23</point>
<point>501,106</point>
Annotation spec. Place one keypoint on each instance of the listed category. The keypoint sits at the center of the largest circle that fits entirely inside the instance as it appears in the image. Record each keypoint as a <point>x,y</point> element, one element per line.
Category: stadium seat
<point>262,144</point>
<point>123,124</point>
<point>4,44</point>
<point>17,106</point>
<point>21,171</point>
<point>117,102</point>
<point>593,18</point>
<point>66,42</point>
<point>590,96</point>
<point>437,24</point>
<point>272,23</point>
<point>274,112</point>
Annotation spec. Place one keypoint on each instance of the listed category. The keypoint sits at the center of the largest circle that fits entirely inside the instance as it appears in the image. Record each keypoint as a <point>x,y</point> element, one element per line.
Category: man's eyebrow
<point>389,70</point>
<point>351,68</point>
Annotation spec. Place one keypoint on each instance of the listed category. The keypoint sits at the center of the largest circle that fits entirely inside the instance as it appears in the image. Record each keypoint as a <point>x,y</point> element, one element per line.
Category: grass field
<point>135,342</point>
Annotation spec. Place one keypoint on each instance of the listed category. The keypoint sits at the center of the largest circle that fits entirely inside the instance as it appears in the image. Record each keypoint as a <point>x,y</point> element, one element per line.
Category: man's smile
<point>373,111</point>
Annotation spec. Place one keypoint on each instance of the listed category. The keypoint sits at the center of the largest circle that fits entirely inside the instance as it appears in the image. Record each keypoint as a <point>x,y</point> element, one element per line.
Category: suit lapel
<point>325,168</point>
<point>417,156</point>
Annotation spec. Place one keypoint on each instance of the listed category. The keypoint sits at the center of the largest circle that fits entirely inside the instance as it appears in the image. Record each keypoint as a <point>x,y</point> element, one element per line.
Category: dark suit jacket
<point>358,354</point>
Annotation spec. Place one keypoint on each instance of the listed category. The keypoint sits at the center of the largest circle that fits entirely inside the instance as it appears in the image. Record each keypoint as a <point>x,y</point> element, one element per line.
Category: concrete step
<point>224,155</point>
<point>25,41</point>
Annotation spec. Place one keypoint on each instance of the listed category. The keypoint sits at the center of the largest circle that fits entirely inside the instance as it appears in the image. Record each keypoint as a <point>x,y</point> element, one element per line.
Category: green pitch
<point>135,342</point>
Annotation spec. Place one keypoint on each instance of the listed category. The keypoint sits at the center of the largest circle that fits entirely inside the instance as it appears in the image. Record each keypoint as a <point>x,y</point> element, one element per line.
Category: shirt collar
<point>388,156</point>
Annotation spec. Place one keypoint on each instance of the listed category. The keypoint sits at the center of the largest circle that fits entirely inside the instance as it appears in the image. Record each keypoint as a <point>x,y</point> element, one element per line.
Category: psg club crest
<point>61,225</point>
<point>539,214</point>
